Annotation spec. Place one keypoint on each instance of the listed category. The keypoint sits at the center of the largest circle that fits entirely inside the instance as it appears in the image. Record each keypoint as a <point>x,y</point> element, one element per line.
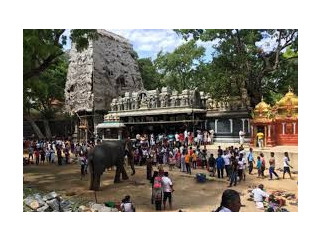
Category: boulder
<point>32,203</point>
<point>84,209</point>
<point>65,206</point>
<point>54,204</point>
<point>100,208</point>
<point>50,196</point>
<point>45,208</point>
<point>38,197</point>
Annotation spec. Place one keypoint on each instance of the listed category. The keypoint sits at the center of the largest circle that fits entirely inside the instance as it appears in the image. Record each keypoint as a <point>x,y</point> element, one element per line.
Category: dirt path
<point>189,195</point>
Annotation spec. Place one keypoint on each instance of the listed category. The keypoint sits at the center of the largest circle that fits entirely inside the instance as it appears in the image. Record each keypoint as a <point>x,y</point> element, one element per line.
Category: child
<point>263,164</point>
<point>83,163</point>
<point>126,205</point>
<point>259,166</point>
<point>37,154</point>
<point>204,158</point>
<point>48,155</point>
<point>43,156</point>
<point>212,165</point>
<point>187,161</point>
<point>149,168</point>
<point>194,160</point>
<point>172,161</point>
<point>157,190</point>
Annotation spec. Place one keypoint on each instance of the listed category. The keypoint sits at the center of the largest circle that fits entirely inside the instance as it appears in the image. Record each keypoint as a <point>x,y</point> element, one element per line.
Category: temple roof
<point>262,108</point>
<point>290,99</point>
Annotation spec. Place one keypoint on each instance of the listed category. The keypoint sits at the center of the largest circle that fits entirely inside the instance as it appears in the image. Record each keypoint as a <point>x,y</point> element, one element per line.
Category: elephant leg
<point>117,176</point>
<point>95,182</point>
<point>91,181</point>
<point>131,162</point>
<point>124,173</point>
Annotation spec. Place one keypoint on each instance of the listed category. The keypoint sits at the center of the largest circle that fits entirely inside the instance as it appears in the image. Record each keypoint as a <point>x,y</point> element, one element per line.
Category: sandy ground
<point>189,195</point>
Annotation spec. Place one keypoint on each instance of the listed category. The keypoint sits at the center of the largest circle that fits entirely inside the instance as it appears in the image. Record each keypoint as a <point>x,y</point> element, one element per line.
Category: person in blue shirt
<point>220,166</point>
<point>250,160</point>
<point>259,165</point>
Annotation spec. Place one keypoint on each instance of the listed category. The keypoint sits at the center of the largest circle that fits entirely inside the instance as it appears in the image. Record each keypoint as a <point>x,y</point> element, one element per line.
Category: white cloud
<point>148,42</point>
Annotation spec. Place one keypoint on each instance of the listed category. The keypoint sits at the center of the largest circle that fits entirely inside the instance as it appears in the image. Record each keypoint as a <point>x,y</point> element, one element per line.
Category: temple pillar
<point>283,128</point>
<point>242,119</point>
<point>119,134</point>
<point>231,126</point>
<point>294,128</point>
<point>216,125</point>
<point>270,139</point>
<point>249,125</point>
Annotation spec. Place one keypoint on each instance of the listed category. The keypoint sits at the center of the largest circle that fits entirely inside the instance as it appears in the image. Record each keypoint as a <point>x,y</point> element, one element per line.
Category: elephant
<point>106,155</point>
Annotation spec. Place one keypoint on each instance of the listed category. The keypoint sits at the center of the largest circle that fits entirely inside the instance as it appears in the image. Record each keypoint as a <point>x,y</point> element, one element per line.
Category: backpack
<point>157,183</point>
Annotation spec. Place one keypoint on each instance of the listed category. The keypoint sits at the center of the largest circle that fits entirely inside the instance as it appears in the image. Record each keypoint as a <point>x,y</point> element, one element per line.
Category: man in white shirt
<point>259,195</point>
<point>226,157</point>
<point>186,136</point>
<point>286,165</point>
<point>240,168</point>
<point>176,137</point>
<point>167,187</point>
<point>241,137</point>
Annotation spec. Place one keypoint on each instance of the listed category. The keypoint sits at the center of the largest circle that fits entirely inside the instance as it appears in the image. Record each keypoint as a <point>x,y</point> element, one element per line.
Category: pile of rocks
<point>52,202</point>
<point>95,207</point>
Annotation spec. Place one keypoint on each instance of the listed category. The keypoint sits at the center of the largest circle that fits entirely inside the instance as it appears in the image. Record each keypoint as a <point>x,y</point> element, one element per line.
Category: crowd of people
<point>41,151</point>
<point>181,150</point>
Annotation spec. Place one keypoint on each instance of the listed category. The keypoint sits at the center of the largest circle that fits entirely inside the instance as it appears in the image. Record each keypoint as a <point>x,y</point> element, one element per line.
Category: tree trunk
<point>47,129</point>
<point>35,128</point>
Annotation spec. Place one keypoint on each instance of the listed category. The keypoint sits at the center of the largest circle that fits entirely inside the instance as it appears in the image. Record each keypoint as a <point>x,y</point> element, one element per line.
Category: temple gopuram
<point>279,123</point>
<point>167,111</point>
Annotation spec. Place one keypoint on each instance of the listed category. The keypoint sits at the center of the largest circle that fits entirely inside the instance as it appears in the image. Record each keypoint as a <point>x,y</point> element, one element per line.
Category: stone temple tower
<point>106,69</point>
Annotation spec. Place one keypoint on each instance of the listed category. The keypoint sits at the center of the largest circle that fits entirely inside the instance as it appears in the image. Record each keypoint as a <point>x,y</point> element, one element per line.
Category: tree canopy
<point>239,61</point>
<point>179,68</point>
<point>42,47</point>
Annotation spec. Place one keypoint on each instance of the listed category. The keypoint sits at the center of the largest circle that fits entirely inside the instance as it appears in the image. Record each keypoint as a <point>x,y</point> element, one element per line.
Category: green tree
<point>43,91</point>
<point>239,62</point>
<point>178,69</point>
<point>45,68</point>
<point>42,47</point>
<point>149,74</point>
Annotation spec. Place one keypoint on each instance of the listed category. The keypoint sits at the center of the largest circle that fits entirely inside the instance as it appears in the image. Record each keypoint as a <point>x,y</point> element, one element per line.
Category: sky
<point>148,42</point>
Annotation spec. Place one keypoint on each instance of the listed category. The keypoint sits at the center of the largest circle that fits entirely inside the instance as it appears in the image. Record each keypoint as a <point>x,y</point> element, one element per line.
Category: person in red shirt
<point>37,154</point>
<point>181,138</point>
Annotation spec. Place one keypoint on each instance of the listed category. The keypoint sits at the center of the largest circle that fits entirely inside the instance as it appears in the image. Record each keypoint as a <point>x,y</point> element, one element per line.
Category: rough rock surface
<point>105,70</point>
<point>53,202</point>
<point>50,196</point>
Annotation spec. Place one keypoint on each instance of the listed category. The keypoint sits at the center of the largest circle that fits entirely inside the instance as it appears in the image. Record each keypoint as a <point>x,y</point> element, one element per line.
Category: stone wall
<point>116,70</point>
<point>78,90</point>
<point>105,70</point>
